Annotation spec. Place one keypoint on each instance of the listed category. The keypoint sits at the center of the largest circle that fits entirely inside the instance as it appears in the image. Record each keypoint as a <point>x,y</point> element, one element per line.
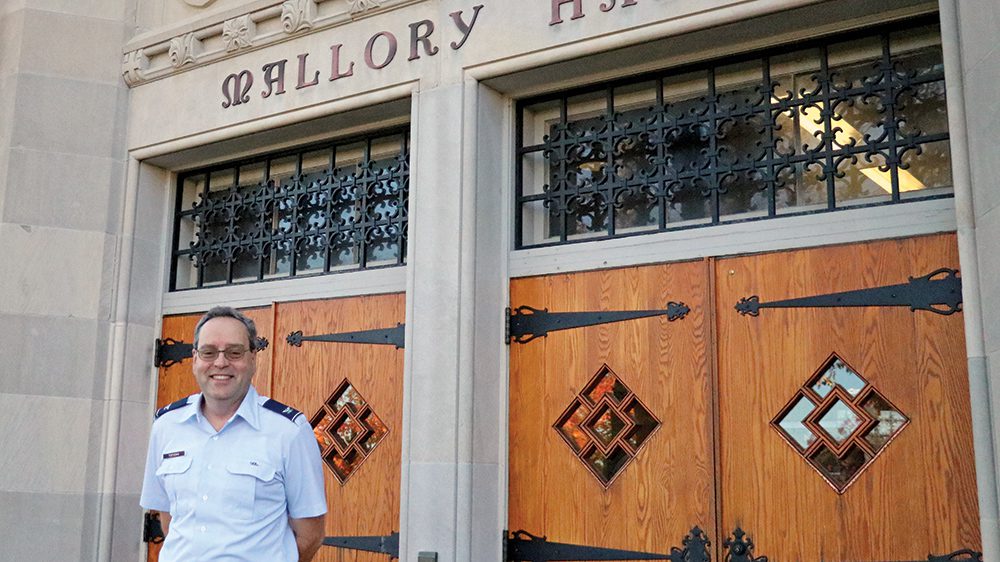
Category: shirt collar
<point>247,409</point>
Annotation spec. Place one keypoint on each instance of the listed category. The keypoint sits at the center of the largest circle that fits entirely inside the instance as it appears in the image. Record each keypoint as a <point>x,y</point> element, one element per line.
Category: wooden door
<point>897,492</point>
<point>662,490</point>
<point>351,392</point>
<point>177,380</point>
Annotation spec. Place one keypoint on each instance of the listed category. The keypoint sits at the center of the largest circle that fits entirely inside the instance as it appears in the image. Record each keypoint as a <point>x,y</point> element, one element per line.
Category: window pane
<point>294,214</point>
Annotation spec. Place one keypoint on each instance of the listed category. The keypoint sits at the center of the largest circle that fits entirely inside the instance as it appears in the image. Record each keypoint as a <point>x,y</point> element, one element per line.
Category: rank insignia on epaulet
<point>281,409</point>
<point>171,407</point>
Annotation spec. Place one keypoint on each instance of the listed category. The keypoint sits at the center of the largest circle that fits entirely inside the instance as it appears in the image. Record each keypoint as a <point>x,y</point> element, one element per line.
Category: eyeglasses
<point>231,353</point>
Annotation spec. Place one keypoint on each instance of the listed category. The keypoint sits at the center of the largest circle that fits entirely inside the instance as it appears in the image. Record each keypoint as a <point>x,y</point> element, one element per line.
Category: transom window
<point>335,207</point>
<point>849,121</point>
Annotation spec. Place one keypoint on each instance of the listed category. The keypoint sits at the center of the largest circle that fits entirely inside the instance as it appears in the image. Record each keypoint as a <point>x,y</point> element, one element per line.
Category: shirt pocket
<point>253,485</point>
<point>173,472</point>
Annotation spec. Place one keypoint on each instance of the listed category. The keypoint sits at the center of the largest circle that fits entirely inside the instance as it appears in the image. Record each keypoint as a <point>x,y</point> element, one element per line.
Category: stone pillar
<point>62,207</point>
<point>972,66</point>
<point>455,357</point>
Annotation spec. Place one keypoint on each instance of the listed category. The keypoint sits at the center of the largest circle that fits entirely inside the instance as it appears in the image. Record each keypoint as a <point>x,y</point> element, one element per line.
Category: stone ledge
<point>185,46</point>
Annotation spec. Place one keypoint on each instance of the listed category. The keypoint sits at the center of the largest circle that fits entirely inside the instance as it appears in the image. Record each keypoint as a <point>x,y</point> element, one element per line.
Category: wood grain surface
<point>668,488</point>
<point>368,502</point>
<point>919,495</point>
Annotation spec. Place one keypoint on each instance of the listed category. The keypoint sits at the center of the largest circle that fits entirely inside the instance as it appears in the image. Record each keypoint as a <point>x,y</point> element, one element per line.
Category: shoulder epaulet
<point>281,409</point>
<point>171,407</point>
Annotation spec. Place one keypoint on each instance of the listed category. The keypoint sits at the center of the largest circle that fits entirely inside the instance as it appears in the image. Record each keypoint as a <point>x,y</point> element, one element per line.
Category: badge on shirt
<point>173,455</point>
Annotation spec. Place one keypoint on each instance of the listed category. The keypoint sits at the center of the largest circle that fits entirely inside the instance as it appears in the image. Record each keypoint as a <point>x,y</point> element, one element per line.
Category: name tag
<point>173,455</point>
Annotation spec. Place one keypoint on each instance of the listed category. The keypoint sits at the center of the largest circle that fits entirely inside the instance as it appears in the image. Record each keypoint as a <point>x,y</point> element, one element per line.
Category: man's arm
<point>164,522</point>
<point>308,535</point>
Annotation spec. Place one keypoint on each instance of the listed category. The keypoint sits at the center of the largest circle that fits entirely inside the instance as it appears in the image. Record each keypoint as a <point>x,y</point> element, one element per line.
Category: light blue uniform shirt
<point>230,493</point>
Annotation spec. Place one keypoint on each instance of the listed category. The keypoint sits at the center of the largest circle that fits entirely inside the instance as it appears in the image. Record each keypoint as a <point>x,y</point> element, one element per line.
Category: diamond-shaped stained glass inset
<point>348,430</point>
<point>321,423</point>
<point>643,424</point>
<point>792,422</point>
<point>837,373</point>
<point>346,395</point>
<point>606,467</point>
<point>839,421</point>
<point>378,431</point>
<point>606,383</point>
<point>571,425</point>
<point>343,466</point>
<point>843,431</point>
<point>840,471</point>
<point>606,425</point>
<point>890,421</point>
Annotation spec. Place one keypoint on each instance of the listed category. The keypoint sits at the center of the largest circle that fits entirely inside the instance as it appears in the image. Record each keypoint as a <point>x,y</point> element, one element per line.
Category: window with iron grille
<point>339,206</point>
<point>849,121</point>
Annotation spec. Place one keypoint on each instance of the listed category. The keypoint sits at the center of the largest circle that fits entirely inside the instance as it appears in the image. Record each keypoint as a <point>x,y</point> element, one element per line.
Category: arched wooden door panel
<point>908,488</point>
<point>575,391</point>
<point>356,389</point>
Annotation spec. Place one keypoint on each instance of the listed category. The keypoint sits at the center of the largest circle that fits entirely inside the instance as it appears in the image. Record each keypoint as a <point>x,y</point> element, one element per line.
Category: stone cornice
<point>227,34</point>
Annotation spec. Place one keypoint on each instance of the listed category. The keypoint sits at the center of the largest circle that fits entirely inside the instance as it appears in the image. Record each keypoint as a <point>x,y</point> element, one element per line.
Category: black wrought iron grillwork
<point>848,121</point>
<point>323,209</point>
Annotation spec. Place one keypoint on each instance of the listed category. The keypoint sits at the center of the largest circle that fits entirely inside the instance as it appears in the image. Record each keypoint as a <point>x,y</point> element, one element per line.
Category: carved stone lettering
<point>610,4</point>
<point>302,74</point>
<point>236,88</point>
<point>417,39</point>
<point>393,45</point>
<point>466,29</point>
<point>557,10</point>
<point>335,73</point>
<point>275,84</point>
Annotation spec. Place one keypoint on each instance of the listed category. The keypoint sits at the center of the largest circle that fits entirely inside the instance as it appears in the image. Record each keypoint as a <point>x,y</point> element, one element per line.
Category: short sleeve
<point>154,496</point>
<point>304,486</point>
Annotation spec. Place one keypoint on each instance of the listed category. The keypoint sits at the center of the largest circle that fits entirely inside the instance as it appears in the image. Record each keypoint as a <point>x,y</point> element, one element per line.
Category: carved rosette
<point>238,33</point>
<point>297,15</point>
<point>361,6</point>
<point>183,50</point>
<point>134,64</point>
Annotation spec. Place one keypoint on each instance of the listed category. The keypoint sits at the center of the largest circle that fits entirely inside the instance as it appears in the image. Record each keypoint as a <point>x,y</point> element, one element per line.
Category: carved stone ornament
<point>297,15</point>
<point>360,6</point>
<point>133,65</point>
<point>238,32</point>
<point>199,3</point>
<point>183,50</point>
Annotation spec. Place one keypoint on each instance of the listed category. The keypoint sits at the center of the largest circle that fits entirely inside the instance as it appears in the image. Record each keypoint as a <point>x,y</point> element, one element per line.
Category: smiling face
<point>224,382</point>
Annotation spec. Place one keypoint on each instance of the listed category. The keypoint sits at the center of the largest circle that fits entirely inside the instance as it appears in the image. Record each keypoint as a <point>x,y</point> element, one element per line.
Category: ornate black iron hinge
<point>739,548</point>
<point>964,554</point>
<point>389,544</point>
<point>522,546</point>
<point>526,323</point>
<point>382,336</point>
<point>695,548</point>
<point>170,352</point>
<point>152,530</point>
<point>939,291</point>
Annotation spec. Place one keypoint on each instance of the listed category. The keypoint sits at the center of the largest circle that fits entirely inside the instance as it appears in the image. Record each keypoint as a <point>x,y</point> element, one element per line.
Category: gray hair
<point>228,312</point>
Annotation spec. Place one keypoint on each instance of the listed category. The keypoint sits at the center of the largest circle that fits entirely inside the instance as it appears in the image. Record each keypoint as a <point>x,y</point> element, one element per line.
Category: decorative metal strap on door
<point>170,352</point>
<point>522,546</point>
<point>381,336</point>
<point>526,323</point>
<point>939,291</point>
<point>388,544</point>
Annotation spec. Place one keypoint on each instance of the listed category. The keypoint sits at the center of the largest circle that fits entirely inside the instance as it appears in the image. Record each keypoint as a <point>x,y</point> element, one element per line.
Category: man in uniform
<point>235,475</point>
